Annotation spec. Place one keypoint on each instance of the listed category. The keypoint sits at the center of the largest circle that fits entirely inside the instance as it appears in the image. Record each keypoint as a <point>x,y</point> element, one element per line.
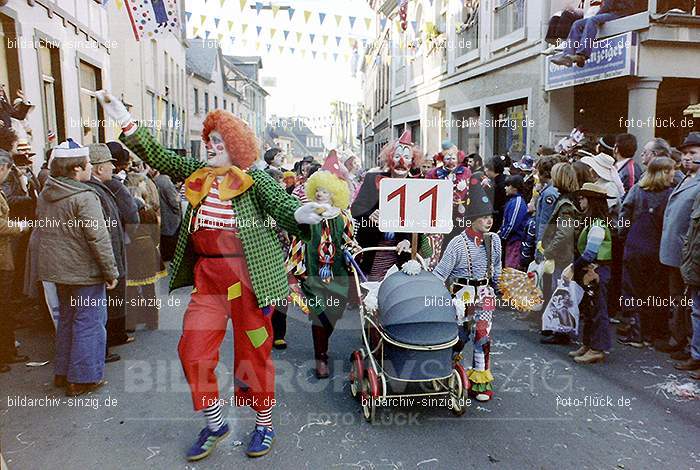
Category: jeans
<point>584,31</point>
<point>81,337</point>
<point>695,342</point>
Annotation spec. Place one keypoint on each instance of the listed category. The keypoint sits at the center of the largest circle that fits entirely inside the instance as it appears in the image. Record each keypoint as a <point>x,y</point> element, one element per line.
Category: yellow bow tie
<point>198,184</point>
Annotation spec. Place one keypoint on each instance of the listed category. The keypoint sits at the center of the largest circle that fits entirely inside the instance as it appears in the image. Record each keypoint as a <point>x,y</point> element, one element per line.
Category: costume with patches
<point>471,266</point>
<point>228,250</point>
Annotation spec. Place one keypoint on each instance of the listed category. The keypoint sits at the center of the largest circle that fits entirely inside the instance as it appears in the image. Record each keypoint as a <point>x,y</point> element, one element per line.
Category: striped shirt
<point>215,213</point>
<point>463,258</point>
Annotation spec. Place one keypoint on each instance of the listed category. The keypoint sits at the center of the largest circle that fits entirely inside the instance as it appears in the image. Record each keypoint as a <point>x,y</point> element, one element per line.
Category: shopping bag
<point>537,270</point>
<point>562,312</point>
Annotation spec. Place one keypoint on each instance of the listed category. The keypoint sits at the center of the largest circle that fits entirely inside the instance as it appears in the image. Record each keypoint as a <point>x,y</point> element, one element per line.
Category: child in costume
<point>232,256</point>
<point>471,266</point>
<point>320,264</point>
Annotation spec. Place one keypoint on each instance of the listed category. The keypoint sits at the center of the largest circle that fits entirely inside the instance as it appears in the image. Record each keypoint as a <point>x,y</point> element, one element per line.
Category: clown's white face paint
<point>323,196</point>
<point>217,156</point>
<point>401,161</point>
<point>450,159</point>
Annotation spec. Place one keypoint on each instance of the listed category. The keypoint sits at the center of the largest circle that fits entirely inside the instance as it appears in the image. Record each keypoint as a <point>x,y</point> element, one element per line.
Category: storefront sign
<point>611,57</point>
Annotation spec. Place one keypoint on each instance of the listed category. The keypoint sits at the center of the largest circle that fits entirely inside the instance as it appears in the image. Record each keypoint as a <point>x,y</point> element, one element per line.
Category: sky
<point>303,85</point>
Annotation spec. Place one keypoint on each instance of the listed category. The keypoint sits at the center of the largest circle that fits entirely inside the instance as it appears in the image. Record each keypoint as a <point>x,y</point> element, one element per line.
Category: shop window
<point>196,101</point>
<point>508,17</point>
<point>52,89</point>
<point>510,128</point>
<point>9,59</point>
<point>90,112</point>
<point>468,130</point>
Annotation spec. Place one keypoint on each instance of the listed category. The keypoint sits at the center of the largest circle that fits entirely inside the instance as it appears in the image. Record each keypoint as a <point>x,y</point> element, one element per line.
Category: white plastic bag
<point>562,312</point>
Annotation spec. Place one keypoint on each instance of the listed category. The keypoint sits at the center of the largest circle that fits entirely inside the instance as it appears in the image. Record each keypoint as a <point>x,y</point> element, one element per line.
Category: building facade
<point>58,54</point>
<point>150,77</point>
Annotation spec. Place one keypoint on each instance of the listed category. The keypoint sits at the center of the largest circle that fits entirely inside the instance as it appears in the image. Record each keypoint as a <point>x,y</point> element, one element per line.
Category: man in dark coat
<point>102,168</point>
<point>170,213</point>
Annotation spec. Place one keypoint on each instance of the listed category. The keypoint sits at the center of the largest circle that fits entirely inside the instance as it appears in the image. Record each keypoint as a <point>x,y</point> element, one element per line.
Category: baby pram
<point>407,339</point>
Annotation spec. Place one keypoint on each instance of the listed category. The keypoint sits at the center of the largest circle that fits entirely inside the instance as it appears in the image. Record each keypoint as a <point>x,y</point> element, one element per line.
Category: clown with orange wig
<point>227,249</point>
<point>399,157</point>
<point>319,263</point>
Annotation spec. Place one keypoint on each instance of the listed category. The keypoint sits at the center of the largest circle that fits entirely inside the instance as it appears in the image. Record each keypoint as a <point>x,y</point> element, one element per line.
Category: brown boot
<point>320,337</point>
<point>590,357</point>
<point>74,390</point>
<point>579,352</point>
<point>690,364</point>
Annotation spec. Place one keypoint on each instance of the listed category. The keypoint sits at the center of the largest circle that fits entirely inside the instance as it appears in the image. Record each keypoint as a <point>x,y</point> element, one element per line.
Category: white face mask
<point>323,196</point>
<point>217,155</point>
<point>401,160</point>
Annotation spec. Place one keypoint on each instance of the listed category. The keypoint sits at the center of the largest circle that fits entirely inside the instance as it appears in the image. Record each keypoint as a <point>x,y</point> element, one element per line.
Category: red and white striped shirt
<point>215,213</point>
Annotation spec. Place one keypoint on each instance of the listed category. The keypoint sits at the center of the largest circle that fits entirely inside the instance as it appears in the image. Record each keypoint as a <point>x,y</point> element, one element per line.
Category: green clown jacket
<point>264,200</point>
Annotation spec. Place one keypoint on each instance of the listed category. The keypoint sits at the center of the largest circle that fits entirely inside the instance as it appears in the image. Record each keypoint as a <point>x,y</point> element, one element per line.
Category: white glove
<point>114,108</point>
<point>313,213</point>
<point>403,246</point>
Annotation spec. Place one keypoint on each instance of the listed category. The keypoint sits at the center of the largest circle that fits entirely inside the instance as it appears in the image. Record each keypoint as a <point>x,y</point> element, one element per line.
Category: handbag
<point>562,313</point>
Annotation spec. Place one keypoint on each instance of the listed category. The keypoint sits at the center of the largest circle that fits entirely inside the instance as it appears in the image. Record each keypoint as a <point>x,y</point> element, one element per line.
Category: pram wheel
<point>357,373</point>
<point>458,385</point>
<point>369,395</point>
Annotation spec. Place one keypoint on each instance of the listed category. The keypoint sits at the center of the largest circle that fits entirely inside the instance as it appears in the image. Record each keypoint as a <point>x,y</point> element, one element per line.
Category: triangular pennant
<point>368,23</point>
<point>244,28</point>
<point>272,32</point>
<point>335,57</point>
<point>312,37</point>
<point>259,28</point>
<point>321,17</point>
<point>216,22</point>
<point>269,46</point>
<point>222,3</point>
<point>206,34</point>
<point>382,23</point>
<point>325,39</point>
<point>220,36</point>
<point>230,26</point>
<point>352,21</point>
<point>243,4</point>
<point>188,15</point>
<point>292,49</point>
<point>203,18</point>
<point>258,7</point>
<point>257,45</point>
<point>338,19</point>
<point>280,48</point>
<point>275,10</point>
<point>325,56</point>
<point>286,33</point>
<point>313,53</point>
<point>291,13</point>
<point>307,15</point>
<point>337,40</point>
<point>299,37</point>
<point>303,53</point>
<point>120,5</point>
<point>195,30</point>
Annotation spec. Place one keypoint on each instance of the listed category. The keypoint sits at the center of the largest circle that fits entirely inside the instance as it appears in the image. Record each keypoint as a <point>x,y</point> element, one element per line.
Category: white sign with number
<point>415,205</point>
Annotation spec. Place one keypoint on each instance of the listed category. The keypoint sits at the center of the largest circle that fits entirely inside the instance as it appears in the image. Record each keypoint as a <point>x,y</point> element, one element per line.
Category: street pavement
<point>548,412</point>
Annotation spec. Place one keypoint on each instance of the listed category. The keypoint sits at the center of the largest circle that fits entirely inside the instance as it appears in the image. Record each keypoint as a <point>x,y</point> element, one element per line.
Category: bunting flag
<point>222,3</point>
<point>321,17</point>
<point>313,53</point>
<point>299,37</point>
<point>292,49</point>
<point>243,4</point>
<point>286,33</point>
<point>325,39</point>
<point>230,26</point>
<point>206,34</point>
<point>220,36</point>
<point>195,30</point>
<point>188,15</point>
<point>272,32</point>
<point>203,18</point>
<point>303,53</point>
<point>291,13</point>
<point>338,19</point>
<point>259,28</point>
<point>368,23</point>
<point>269,46</point>
<point>258,7</point>
<point>352,21</point>
<point>312,37</point>
<point>275,10</point>
<point>257,45</point>
<point>337,40</point>
<point>244,28</point>
<point>120,5</point>
<point>335,57</point>
<point>307,15</point>
<point>383,23</point>
<point>216,22</point>
<point>325,56</point>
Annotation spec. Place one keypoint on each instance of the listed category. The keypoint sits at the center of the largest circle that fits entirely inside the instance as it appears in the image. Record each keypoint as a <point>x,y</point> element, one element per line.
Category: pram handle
<point>420,259</point>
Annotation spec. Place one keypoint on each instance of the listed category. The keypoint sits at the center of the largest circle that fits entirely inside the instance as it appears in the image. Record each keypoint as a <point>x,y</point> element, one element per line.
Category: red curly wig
<point>240,141</point>
<point>388,151</point>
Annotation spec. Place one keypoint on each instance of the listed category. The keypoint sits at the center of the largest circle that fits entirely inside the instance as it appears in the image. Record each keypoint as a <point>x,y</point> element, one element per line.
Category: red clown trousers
<point>222,291</point>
